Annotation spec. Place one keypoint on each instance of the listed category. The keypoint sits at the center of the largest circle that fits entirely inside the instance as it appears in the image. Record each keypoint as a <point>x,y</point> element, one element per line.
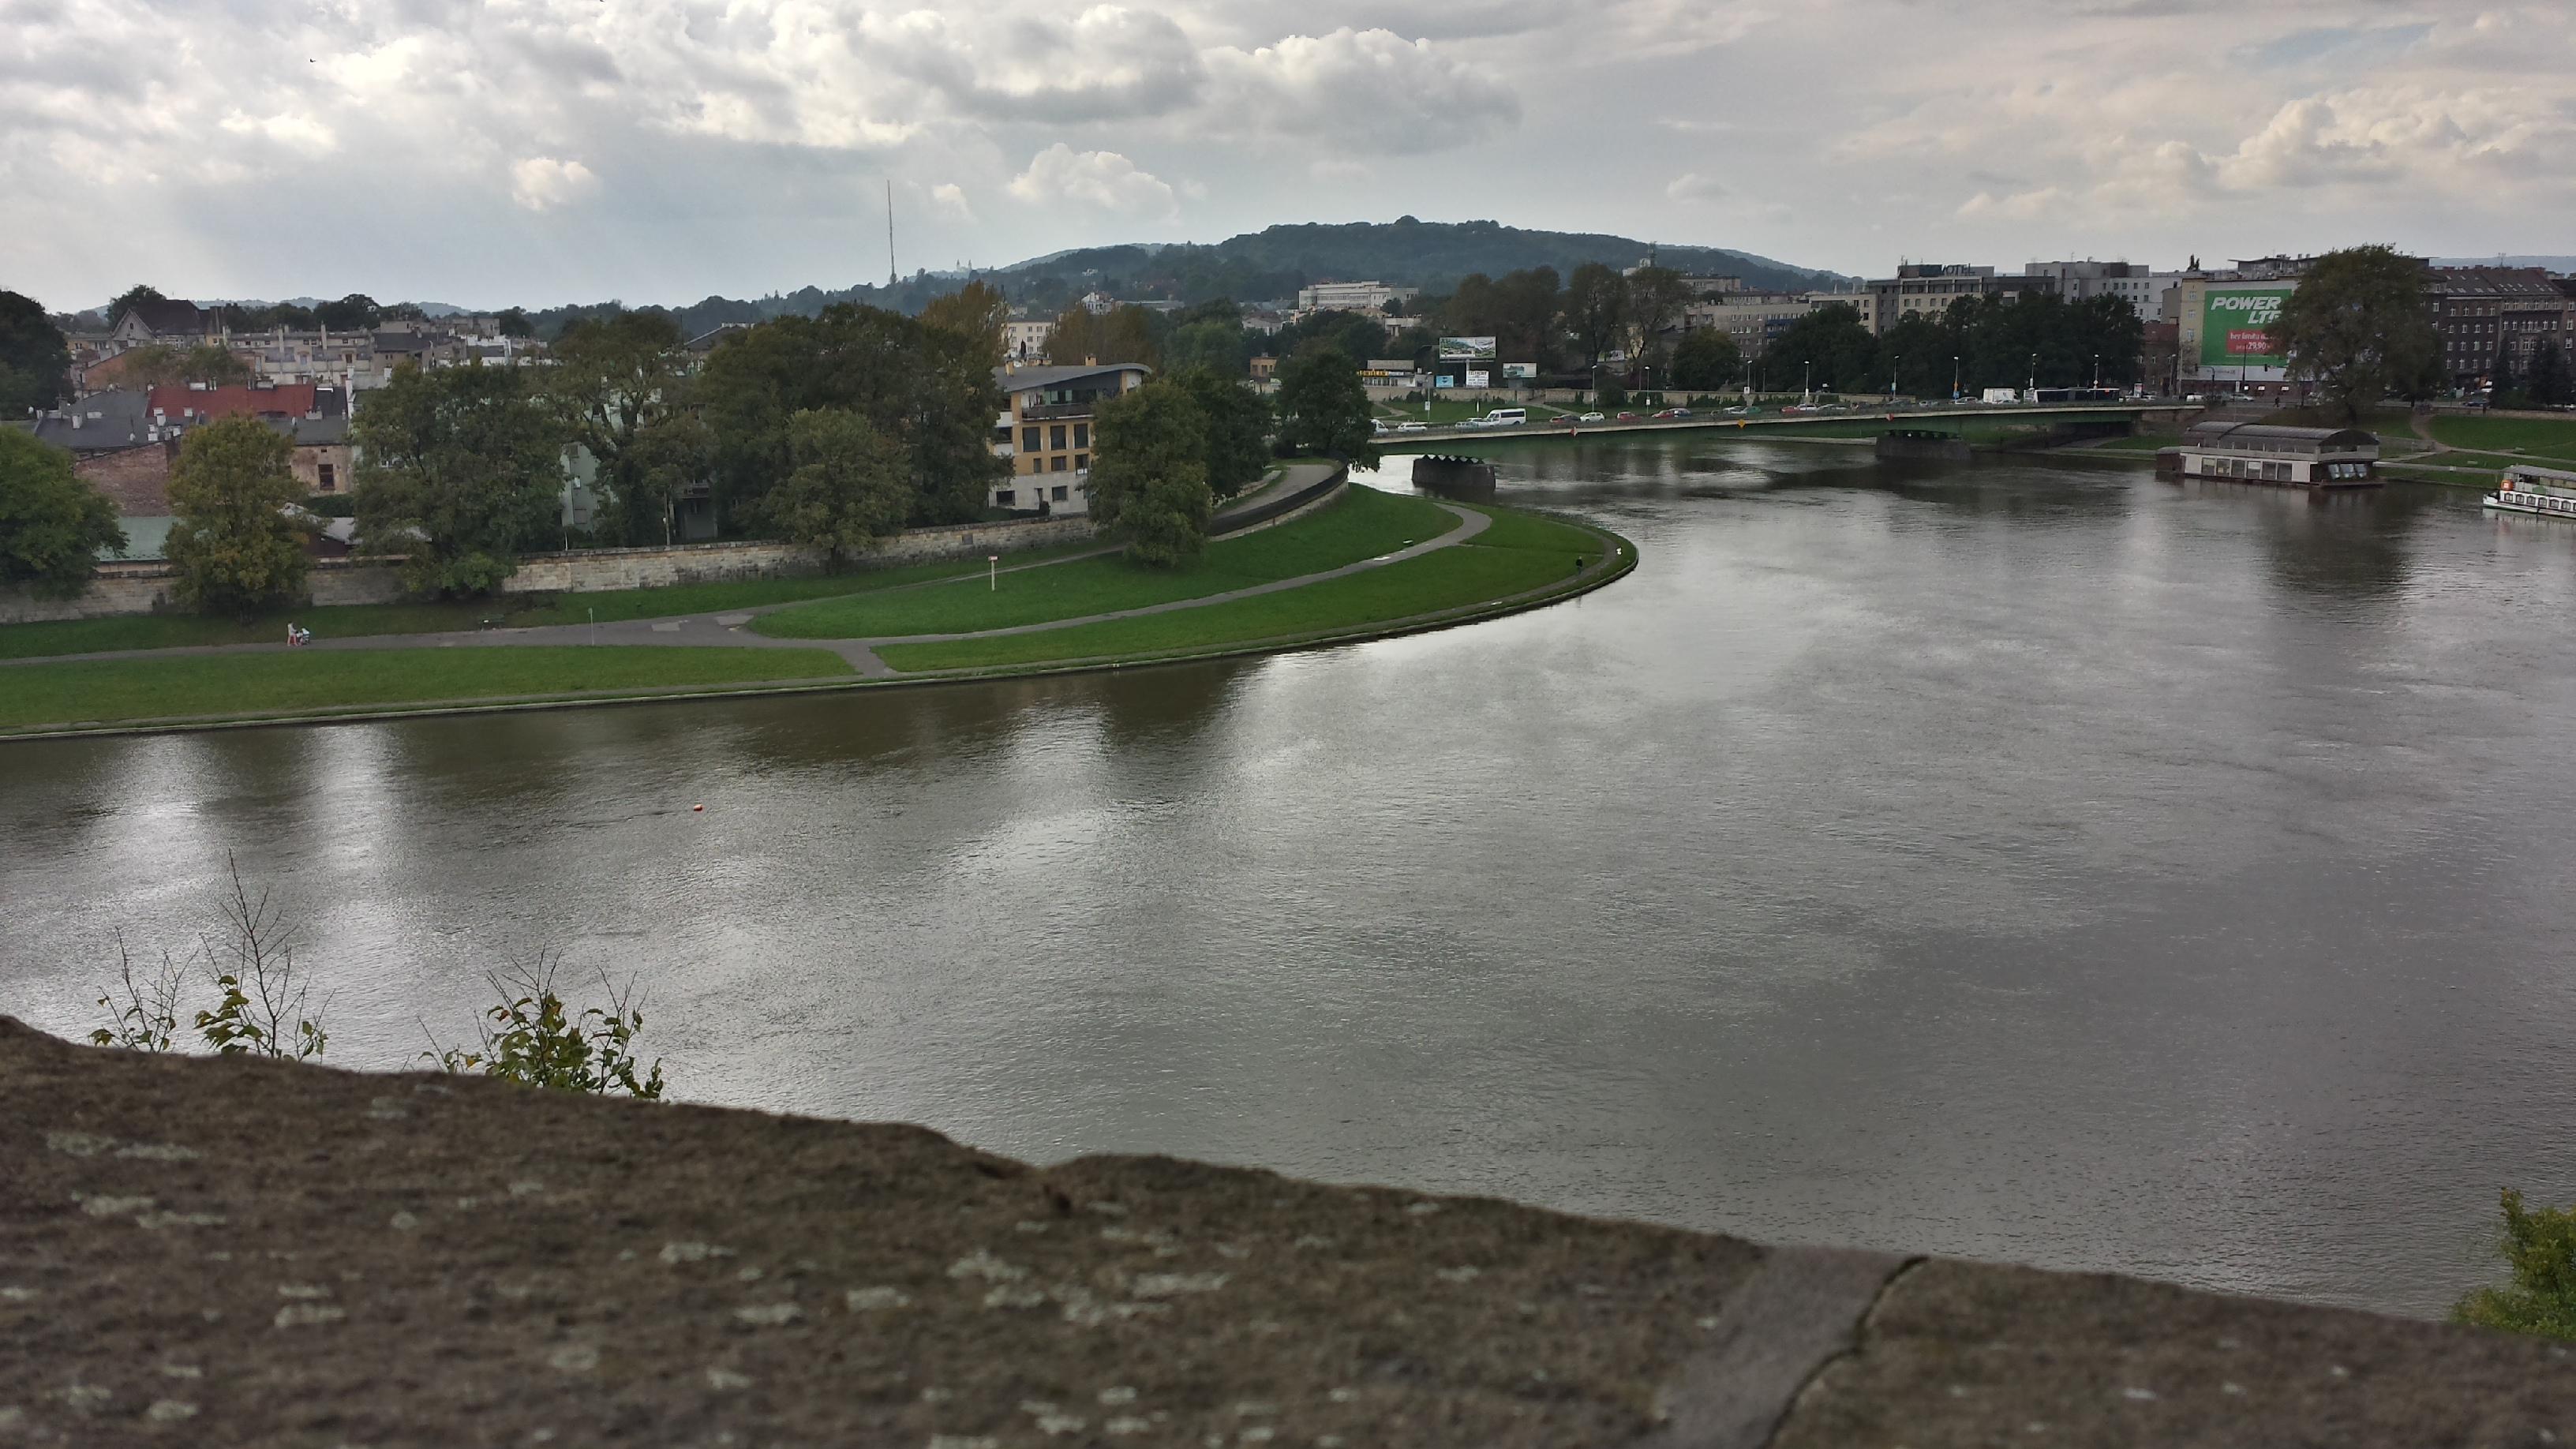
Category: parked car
<point>1592,418</point>
<point>1629,418</point>
<point>1674,413</point>
<point>1412,427</point>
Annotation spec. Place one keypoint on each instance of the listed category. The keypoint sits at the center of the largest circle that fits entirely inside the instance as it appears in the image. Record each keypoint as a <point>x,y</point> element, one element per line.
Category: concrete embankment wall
<point>146,588</point>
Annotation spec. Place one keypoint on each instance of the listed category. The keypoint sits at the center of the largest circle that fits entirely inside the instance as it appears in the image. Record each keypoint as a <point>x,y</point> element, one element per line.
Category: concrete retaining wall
<point>144,588</point>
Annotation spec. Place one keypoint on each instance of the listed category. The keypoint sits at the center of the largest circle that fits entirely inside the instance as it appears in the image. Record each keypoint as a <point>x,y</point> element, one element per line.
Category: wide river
<point>2031,861</point>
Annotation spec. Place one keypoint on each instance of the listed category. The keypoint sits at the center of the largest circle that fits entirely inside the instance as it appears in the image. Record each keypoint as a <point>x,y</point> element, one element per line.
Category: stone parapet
<point>229,1251</point>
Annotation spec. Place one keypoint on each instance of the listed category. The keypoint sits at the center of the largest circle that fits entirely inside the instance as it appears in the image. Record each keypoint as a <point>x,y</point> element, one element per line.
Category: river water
<point>2028,861</point>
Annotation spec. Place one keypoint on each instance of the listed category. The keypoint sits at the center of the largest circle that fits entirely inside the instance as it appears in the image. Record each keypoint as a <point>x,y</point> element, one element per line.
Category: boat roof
<point>2533,470</point>
<point>2275,432</point>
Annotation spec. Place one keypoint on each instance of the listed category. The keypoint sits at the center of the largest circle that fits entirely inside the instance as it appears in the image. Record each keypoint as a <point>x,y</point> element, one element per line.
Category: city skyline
<point>664,150</point>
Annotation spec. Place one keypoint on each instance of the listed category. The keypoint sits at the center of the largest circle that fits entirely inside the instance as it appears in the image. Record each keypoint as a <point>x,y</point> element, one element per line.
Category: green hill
<point>1433,255</point>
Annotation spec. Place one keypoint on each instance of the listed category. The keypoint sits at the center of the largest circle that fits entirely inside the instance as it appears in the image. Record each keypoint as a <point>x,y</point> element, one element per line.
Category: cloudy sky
<point>494,151</point>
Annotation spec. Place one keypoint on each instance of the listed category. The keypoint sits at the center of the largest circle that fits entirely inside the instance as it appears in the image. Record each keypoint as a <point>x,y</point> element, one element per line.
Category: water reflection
<point>2027,859</point>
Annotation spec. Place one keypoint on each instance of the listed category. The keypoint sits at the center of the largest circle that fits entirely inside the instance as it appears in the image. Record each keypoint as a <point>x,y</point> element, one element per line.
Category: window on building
<point>1061,492</point>
<point>1005,497</point>
<point>1081,461</point>
<point>330,479</point>
<point>1081,437</point>
<point>1055,436</point>
<point>1028,440</point>
<point>1055,464</point>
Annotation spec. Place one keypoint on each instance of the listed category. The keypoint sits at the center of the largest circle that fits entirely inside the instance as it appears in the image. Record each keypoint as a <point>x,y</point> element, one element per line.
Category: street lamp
<point>2033,385</point>
<point>1891,376</point>
<point>1807,390</point>
<point>2097,372</point>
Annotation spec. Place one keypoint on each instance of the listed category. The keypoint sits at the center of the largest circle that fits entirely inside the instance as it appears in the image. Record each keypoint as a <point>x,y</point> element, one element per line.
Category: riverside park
<point>1346,562</point>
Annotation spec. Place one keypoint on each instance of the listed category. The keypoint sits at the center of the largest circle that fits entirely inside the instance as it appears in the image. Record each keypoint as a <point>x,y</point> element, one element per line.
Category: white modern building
<point>1352,296</point>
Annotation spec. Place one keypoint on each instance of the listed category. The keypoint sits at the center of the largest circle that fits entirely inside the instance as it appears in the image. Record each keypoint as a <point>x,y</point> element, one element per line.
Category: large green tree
<point>1656,297</point>
<point>974,312</point>
<point>127,299</point>
<point>2360,328</point>
<point>34,358</point>
<point>1596,308</point>
<point>926,387</point>
<point>352,313</point>
<point>612,379</point>
<point>848,488</point>
<point>1237,427</point>
<point>674,457</point>
<point>53,522</point>
<point>237,545</point>
<point>463,471</point>
<point>2549,382</point>
<point>1126,333</point>
<point>1149,480</point>
<point>1832,338</point>
<point>1324,408</point>
<point>1705,360</point>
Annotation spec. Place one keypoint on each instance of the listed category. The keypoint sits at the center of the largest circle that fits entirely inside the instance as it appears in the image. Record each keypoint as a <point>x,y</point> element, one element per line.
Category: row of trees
<point>1979,342</point>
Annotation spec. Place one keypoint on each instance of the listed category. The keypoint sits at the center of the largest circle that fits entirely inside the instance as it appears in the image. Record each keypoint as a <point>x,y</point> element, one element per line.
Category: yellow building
<point>1046,435</point>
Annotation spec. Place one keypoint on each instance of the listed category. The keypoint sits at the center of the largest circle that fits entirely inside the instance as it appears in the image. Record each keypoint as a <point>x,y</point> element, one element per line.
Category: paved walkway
<point>726,629</point>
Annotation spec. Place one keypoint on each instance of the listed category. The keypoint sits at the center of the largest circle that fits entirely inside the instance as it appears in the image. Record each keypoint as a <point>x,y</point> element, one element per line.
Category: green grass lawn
<point>100,691</point>
<point>1517,553</point>
<point>1365,524</point>
<point>353,621</point>
<point>2540,438</point>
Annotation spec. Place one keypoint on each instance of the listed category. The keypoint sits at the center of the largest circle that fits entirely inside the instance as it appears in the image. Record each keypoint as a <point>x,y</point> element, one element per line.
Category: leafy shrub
<point>536,1041</point>
<point>2541,1247</point>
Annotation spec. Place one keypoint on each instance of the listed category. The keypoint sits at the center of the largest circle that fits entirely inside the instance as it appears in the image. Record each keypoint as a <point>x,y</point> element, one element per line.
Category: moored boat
<point>2545,491</point>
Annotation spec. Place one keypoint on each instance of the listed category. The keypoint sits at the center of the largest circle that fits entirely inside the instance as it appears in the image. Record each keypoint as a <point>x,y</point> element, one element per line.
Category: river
<point>2031,861</point>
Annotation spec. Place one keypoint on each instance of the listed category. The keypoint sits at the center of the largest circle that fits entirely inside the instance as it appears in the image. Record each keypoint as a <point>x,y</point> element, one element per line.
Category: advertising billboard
<point>1520,371</point>
<point>2233,323</point>
<point>1466,349</point>
<point>1479,378</point>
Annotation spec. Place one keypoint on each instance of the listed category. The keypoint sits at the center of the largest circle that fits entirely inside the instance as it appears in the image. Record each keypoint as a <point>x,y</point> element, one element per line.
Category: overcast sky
<point>485,152</point>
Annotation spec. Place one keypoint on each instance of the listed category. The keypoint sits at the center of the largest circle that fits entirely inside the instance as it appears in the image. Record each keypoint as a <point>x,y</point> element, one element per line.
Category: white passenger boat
<point>2535,490</point>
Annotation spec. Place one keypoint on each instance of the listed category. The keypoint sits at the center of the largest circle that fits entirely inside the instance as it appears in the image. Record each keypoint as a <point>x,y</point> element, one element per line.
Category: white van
<point>1505,417</point>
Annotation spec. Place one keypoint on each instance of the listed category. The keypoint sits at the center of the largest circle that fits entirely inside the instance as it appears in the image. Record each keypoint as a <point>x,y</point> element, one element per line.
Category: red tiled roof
<point>290,399</point>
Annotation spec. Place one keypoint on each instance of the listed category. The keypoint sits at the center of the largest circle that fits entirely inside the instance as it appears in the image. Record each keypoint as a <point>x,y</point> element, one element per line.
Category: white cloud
<point>950,198</point>
<point>1370,87</point>
<point>298,131</point>
<point>1691,186</point>
<point>540,182</point>
<point>1104,180</point>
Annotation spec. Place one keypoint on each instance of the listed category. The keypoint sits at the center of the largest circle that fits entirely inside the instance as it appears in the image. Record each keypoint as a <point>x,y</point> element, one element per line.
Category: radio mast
<point>891,274</point>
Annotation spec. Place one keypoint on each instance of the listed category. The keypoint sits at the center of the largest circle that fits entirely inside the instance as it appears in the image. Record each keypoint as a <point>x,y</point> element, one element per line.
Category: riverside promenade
<point>235,1251</point>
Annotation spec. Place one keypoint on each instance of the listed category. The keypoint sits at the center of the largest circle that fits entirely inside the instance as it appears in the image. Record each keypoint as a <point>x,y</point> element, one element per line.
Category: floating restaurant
<point>2273,453</point>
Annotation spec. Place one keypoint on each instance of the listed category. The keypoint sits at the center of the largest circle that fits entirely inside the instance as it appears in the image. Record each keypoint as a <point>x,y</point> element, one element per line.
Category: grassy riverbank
<point>110,691</point>
<point>2549,442</point>
<point>1517,553</point>
<point>1364,524</point>
<point>357,621</point>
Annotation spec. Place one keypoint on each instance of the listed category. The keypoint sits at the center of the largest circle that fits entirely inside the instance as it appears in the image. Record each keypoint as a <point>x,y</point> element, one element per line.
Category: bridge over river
<point>2165,413</point>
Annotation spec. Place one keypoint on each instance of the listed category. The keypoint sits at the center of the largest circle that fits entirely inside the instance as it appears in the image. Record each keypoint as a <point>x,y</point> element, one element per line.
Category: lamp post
<point>2097,372</point>
<point>1891,377</point>
<point>2033,385</point>
<point>1954,377</point>
<point>1807,389</point>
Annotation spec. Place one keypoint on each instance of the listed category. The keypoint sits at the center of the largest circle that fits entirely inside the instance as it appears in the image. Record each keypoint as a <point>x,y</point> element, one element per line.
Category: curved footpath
<point>727,630</point>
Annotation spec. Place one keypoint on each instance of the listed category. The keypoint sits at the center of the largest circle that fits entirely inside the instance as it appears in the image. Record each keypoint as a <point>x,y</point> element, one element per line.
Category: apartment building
<point>2137,284</point>
<point>1352,296</point>
<point>2488,317</point>
<point>1046,435</point>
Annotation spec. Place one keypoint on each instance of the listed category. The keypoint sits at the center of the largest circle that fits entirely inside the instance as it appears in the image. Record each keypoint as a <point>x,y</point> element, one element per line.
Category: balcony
<point>1045,411</point>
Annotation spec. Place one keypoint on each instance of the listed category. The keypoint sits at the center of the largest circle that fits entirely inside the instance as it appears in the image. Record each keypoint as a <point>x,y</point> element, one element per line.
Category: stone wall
<point>587,571</point>
<point>144,587</point>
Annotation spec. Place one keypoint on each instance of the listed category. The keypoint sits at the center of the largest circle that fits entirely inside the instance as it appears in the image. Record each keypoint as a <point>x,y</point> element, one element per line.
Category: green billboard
<point>2235,323</point>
